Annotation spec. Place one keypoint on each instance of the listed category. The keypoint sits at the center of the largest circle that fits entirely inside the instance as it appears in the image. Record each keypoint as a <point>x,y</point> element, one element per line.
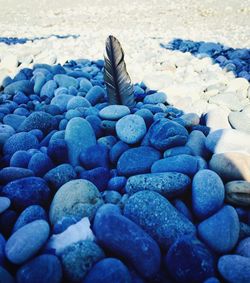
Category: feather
<point>119,87</point>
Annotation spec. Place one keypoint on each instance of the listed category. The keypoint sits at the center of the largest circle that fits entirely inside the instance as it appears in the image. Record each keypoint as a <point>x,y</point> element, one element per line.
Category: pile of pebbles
<point>92,192</point>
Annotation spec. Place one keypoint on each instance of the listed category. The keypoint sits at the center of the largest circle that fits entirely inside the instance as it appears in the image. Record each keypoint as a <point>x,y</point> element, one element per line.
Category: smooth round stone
<point>182,163</point>
<point>234,268</point>
<point>38,120</point>
<point>13,120</point>
<point>85,85</point>
<point>117,184</point>
<point>61,100</point>
<point>40,164</point>
<point>27,191</point>
<point>9,174</point>
<point>60,175</point>
<point>207,193</point>
<point>146,115</point>
<point>164,134</point>
<point>30,214</point>
<point>95,95</point>
<point>95,156</point>
<point>238,193</point>
<point>79,135</point>
<point>58,150</point>
<point>231,166</point>
<point>196,143</point>
<point>177,151</point>
<point>77,101</point>
<point>225,140</point>
<point>95,123</point>
<point>78,259</point>
<point>111,197</point>
<point>137,160</point>
<point>117,150</point>
<point>20,158</point>
<point>20,141</point>
<point>23,85</point>
<point>239,121</point>
<point>5,276</point>
<point>77,198</point>
<point>156,215</point>
<point>4,204</point>
<point>35,234</point>
<point>65,81</point>
<point>108,270</point>
<point>131,128</point>
<point>47,90</point>
<point>243,248</point>
<point>42,269</point>
<point>170,184</point>
<point>123,237</point>
<point>157,97</point>
<point>114,112</point>
<point>198,267</point>
<point>6,131</point>
<point>221,230</point>
<point>217,119</point>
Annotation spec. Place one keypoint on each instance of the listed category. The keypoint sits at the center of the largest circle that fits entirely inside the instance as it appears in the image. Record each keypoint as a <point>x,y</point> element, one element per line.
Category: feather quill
<point>119,87</point>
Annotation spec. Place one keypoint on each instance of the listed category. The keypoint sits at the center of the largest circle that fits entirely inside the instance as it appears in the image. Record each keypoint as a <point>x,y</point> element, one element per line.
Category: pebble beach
<point>94,193</point>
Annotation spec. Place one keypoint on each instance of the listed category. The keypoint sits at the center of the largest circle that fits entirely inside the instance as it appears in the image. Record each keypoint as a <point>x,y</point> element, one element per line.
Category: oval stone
<point>234,268</point>
<point>243,247</point>
<point>221,230</point>
<point>114,112</point>
<point>198,267</point>
<point>77,198</point>
<point>123,237</point>
<point>131,128</point>
<point>238,193</point>
<point>207,193</point>
<point>79,135</point>
<point>27,191</point>
<point>156,215</point>
<point>137,160</point>
<point>231,166</point>
<point>35,234</point>
<point>42,269</point>
<point>169,184</point>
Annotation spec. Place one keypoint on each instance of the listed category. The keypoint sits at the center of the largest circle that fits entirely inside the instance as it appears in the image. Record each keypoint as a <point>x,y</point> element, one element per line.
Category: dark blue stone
<point>24,85</point>
<point>117,150</point>
<point>95,156</point>
<point>95,122</point>
<point>20,98</point>
<point>30,214</point>
<point>117,184</point>
<point>27,191</point>
<point>42,269</point>
<point>20,158</point>
<point>58,151</point>
<point>99,177</point>
<point>188,260</point>
<point>108,270</point>
<point>7,221</point>
<point>40,164</point>
<point>48,89</point>
<point>9,174</point>
<point>137,160</point>
<point>121,236</point>
<point>2,246</point>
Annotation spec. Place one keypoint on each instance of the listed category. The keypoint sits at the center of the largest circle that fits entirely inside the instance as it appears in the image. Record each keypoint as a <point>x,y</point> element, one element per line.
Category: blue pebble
<point>30,214</point>
<point>5,276</point>
<point>98,176</point>
<point>210,48</point>
<point>21,111</point>
<point>39,81</point>
<point>9,174</point>
<point>63,224</point>
<point>60,175</point>
<point>183,208</point>
<point>27,191</point>
<point>177,151</point>
<point>117,184</point>
<point>85,85</point>
<point>182,163</point>
<point>164,134</point>
<point>40,164</point>
<point>58,151</point>
<point>61,100</point>
<point>63,124</point>
<point>137,160</point>
<point>20,98</point>
<point>20,141</point>
<point>65,81</point>
<point>95,156</point>
<point>24,86</point>
<point>77,101</point>
<point>212,280</point>
<point>38,133</point>
<point>45,141</point>
<point>220,231</point>
<point>155,214</point>
<point>234,268</point>
<point>2,253</point>
<point>123,237</point>
<point>95,122</point>
<point>117,150</point>
<point>7,221</point>
<point>208,193</point>
<point>48,89</point>
<point>4,204</point>
<point>188,260</point>
<point>147,115</point>
<point>108,270</point>
<point>52,109</point>
<point>42,269</point>
<point>108,141</point>
<point>13,120</point>
<point>95,95</point>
